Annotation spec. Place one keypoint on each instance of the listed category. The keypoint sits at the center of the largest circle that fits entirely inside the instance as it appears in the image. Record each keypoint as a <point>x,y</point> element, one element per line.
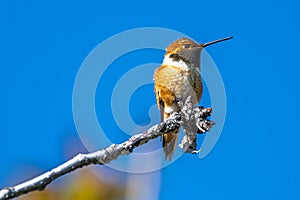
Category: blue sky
<point>43,44</point>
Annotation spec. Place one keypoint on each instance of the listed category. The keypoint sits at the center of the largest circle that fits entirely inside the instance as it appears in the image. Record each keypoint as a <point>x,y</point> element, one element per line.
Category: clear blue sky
<point>257,157</point>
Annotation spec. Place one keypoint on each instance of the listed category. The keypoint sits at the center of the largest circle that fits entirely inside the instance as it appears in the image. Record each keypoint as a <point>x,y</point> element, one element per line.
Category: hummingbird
<point>175,80</point>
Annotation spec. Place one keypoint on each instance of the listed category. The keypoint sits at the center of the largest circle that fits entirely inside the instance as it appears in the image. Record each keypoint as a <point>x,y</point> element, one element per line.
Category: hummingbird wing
<point>161,106</point>
<point>169,141</point>
<point>165,99</point>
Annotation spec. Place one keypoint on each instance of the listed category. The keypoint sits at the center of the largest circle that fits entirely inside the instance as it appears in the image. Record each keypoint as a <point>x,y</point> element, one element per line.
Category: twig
<point>114,151</point>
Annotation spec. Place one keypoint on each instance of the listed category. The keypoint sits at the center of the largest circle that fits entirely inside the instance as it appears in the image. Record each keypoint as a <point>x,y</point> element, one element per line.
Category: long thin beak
<point>215,41</point>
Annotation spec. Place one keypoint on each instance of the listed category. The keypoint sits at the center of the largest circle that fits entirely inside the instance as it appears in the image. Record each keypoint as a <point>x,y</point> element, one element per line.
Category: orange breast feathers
<point>172,83</point>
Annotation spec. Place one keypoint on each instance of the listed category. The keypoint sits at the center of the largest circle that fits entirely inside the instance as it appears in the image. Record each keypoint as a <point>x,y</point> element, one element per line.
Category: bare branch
<point>194,121</point>
<point>189,116</point>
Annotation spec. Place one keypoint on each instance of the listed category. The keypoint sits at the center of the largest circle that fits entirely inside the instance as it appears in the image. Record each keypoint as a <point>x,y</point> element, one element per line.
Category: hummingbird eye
<point>186,46</point>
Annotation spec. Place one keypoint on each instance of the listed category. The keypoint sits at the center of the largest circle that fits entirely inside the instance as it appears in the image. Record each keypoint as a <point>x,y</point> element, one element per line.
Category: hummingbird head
<point>188,50</point>
<point>184,49</point>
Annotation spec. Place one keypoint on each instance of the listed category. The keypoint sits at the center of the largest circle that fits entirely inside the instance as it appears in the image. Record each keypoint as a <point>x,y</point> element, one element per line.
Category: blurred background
<point>43,44</point>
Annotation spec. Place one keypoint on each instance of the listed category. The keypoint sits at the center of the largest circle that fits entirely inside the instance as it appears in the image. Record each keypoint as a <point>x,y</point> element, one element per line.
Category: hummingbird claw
<point>204,126</point>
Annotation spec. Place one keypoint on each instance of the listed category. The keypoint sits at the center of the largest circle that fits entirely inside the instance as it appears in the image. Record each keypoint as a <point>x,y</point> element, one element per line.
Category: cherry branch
<point>193,119</point>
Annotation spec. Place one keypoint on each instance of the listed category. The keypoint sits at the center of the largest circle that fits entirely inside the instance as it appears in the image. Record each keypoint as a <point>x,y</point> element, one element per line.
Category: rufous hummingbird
<point>176,79</point>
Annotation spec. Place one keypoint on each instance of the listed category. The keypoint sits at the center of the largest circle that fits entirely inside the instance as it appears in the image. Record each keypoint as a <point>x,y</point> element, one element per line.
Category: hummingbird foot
<point>203,124</point>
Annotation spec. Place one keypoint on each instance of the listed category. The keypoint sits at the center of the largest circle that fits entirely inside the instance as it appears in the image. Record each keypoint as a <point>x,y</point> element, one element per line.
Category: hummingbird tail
<point>169,142</point>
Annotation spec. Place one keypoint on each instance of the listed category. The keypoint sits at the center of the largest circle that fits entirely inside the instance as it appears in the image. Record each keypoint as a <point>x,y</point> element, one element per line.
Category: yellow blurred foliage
<point>79,185</point>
